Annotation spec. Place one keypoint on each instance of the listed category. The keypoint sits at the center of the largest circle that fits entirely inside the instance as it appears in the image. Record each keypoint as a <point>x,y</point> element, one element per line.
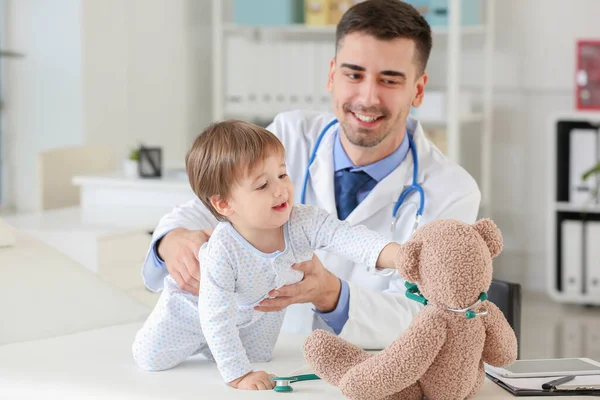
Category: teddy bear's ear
<point>407,260</point>
<point>490,234</point>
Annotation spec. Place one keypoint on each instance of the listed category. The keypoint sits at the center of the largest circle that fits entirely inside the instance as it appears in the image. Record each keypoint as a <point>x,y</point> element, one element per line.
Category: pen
<point>553,384</point>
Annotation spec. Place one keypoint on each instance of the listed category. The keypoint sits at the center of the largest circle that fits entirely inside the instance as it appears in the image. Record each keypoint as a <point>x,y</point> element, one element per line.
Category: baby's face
<point>264,198</point>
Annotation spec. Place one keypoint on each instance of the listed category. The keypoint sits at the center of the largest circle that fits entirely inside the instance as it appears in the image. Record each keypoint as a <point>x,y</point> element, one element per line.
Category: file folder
<point>592,258</point>
<point>572,256</point>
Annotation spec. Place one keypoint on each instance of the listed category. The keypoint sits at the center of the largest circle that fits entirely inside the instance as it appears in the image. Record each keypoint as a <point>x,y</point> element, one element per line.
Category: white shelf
<point>451,38</point>
<point>587,295</point>
<point>583,208</point>
<point>230,27</point>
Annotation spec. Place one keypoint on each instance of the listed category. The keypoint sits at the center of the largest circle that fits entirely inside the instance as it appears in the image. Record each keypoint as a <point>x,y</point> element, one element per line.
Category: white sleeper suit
<point>235,277</point>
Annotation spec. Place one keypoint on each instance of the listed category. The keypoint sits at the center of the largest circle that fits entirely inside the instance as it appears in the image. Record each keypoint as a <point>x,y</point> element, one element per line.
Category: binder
<point>592,258</point>
<point>572,256</point>
<point>236,85</point>
<point>324,55</point>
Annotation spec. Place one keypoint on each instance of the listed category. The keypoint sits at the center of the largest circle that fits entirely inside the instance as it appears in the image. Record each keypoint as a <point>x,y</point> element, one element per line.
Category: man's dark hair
<point>387,20</point>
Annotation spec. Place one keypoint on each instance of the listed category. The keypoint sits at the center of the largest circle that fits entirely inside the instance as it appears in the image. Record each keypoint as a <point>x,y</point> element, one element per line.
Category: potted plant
<point>130,165</point>
<point>593,171</point>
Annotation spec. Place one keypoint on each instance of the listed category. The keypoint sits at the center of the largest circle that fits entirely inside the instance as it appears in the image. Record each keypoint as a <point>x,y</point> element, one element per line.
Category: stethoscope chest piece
<point>283,384</point>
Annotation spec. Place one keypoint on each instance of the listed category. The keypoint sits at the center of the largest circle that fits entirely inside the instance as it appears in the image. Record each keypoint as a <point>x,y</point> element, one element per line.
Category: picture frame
<point>150,162</point>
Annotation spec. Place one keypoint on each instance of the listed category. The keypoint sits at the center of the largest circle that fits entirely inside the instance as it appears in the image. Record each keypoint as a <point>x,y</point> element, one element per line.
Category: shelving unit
<point>573,256</point>
<point>229,28</point>
<point>224,29</point>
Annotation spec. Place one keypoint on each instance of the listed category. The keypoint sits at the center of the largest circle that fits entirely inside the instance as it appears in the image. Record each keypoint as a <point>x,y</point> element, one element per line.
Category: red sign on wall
<point>588,75</point>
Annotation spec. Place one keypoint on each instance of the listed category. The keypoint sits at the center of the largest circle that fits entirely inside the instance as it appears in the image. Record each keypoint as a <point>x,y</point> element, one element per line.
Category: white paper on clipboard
<point>592,381</point>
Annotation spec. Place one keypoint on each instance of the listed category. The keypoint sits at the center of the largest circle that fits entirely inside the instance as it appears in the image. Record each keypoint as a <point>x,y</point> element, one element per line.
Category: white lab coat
<point>379,310</point>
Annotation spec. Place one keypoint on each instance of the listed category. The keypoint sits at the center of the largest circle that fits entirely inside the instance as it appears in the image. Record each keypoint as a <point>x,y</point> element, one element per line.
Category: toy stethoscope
<point>413,293</point>
<point>413,187</point>
<point>283,383</point>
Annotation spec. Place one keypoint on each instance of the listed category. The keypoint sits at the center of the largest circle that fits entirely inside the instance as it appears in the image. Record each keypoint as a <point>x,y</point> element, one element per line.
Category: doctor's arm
<point>175,245</point>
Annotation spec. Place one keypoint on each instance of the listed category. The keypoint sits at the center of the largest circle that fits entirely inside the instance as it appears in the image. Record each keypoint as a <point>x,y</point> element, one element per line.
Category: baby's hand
<point>256,380</point>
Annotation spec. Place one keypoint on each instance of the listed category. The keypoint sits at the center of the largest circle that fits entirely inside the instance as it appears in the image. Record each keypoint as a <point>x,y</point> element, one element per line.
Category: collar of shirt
<point>379,169</point>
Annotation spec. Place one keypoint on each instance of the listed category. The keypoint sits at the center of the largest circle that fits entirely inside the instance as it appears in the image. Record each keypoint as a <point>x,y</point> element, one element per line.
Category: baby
<point>238,171</point>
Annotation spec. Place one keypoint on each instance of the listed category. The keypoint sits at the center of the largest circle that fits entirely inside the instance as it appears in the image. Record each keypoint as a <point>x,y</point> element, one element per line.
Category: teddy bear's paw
<point>330,357</point>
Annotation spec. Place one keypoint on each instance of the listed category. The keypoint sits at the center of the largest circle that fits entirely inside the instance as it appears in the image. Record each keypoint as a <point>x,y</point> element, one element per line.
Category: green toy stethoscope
<point>413,187</point>
<point>413,293</point>
<point>283,383</point>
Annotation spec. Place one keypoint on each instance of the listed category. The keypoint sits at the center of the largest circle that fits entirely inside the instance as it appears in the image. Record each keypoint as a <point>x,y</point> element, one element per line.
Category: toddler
<point>238,171</point>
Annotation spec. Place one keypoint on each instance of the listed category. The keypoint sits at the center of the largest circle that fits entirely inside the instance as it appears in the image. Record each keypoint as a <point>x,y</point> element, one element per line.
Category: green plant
<point>134,154</point>
<point>592,171</point>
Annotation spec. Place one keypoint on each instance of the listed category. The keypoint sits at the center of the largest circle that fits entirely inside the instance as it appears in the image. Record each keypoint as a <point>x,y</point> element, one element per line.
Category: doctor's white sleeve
<point>326,232</point>
<point>218,314</point>
<point>376,319</point>
<point>192,215</point>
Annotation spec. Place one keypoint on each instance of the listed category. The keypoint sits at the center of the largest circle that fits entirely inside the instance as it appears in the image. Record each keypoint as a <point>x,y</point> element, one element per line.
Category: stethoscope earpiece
<point>412,292</point>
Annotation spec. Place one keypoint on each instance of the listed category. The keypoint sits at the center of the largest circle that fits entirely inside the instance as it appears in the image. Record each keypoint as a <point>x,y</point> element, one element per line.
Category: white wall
<point>43,90</point>
<point>3,152</point>
<point>535,80</point>
<point>111,72</point>
<point>146,76</point>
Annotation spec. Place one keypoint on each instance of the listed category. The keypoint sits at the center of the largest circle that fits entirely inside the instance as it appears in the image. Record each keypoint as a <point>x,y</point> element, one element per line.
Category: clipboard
<point>566,390</point>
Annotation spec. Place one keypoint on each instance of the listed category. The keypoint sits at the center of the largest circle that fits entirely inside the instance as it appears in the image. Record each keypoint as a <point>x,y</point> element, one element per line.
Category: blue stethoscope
<point>413,187</point>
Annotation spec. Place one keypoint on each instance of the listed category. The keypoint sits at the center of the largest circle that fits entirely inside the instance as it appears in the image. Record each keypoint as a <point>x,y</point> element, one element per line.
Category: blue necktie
<point>350,183</point>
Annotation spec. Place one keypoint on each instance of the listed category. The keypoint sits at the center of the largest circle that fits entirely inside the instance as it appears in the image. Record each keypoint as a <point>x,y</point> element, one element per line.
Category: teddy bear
<point>448,267</point>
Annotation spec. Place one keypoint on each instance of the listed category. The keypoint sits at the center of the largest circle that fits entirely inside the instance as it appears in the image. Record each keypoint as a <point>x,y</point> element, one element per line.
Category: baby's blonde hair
<point>223,154</point>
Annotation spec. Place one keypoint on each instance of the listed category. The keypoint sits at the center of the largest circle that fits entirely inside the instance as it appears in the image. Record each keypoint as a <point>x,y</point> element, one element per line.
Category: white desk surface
<point>98,365</point>
<point>46,294</point>
<point>65,334</point>
<point>171,179</point>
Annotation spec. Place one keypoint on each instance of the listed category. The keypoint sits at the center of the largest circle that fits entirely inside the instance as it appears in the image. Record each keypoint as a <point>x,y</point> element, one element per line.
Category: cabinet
<point>573,241</point>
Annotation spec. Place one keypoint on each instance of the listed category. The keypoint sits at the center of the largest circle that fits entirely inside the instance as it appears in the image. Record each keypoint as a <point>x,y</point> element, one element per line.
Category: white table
<point>116,200</point>
<point>98,365</point>
<point>66,334</point>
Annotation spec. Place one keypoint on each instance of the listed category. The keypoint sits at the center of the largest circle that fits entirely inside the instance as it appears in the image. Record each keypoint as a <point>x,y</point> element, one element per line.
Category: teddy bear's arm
<point>500,347</point>
<point>399,365</point>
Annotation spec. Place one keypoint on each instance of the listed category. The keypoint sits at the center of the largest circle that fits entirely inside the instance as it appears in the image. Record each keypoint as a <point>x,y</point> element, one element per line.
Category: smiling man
<point>358,169</point>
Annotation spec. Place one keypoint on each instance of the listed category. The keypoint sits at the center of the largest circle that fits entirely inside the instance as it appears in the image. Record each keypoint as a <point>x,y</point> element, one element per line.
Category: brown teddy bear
<point>441,354</point>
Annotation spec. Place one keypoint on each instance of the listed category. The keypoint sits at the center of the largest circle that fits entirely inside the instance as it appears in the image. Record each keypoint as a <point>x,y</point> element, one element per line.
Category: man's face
<point>373,84</point>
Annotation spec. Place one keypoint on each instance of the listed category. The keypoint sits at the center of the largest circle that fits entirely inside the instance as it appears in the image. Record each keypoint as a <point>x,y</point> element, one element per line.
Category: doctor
<point>357,169</point>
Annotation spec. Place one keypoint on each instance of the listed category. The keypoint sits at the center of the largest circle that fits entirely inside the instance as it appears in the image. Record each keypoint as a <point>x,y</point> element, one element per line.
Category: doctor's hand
<point>319,287</point>
<point>255,380</point>
<point>179,249</point>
